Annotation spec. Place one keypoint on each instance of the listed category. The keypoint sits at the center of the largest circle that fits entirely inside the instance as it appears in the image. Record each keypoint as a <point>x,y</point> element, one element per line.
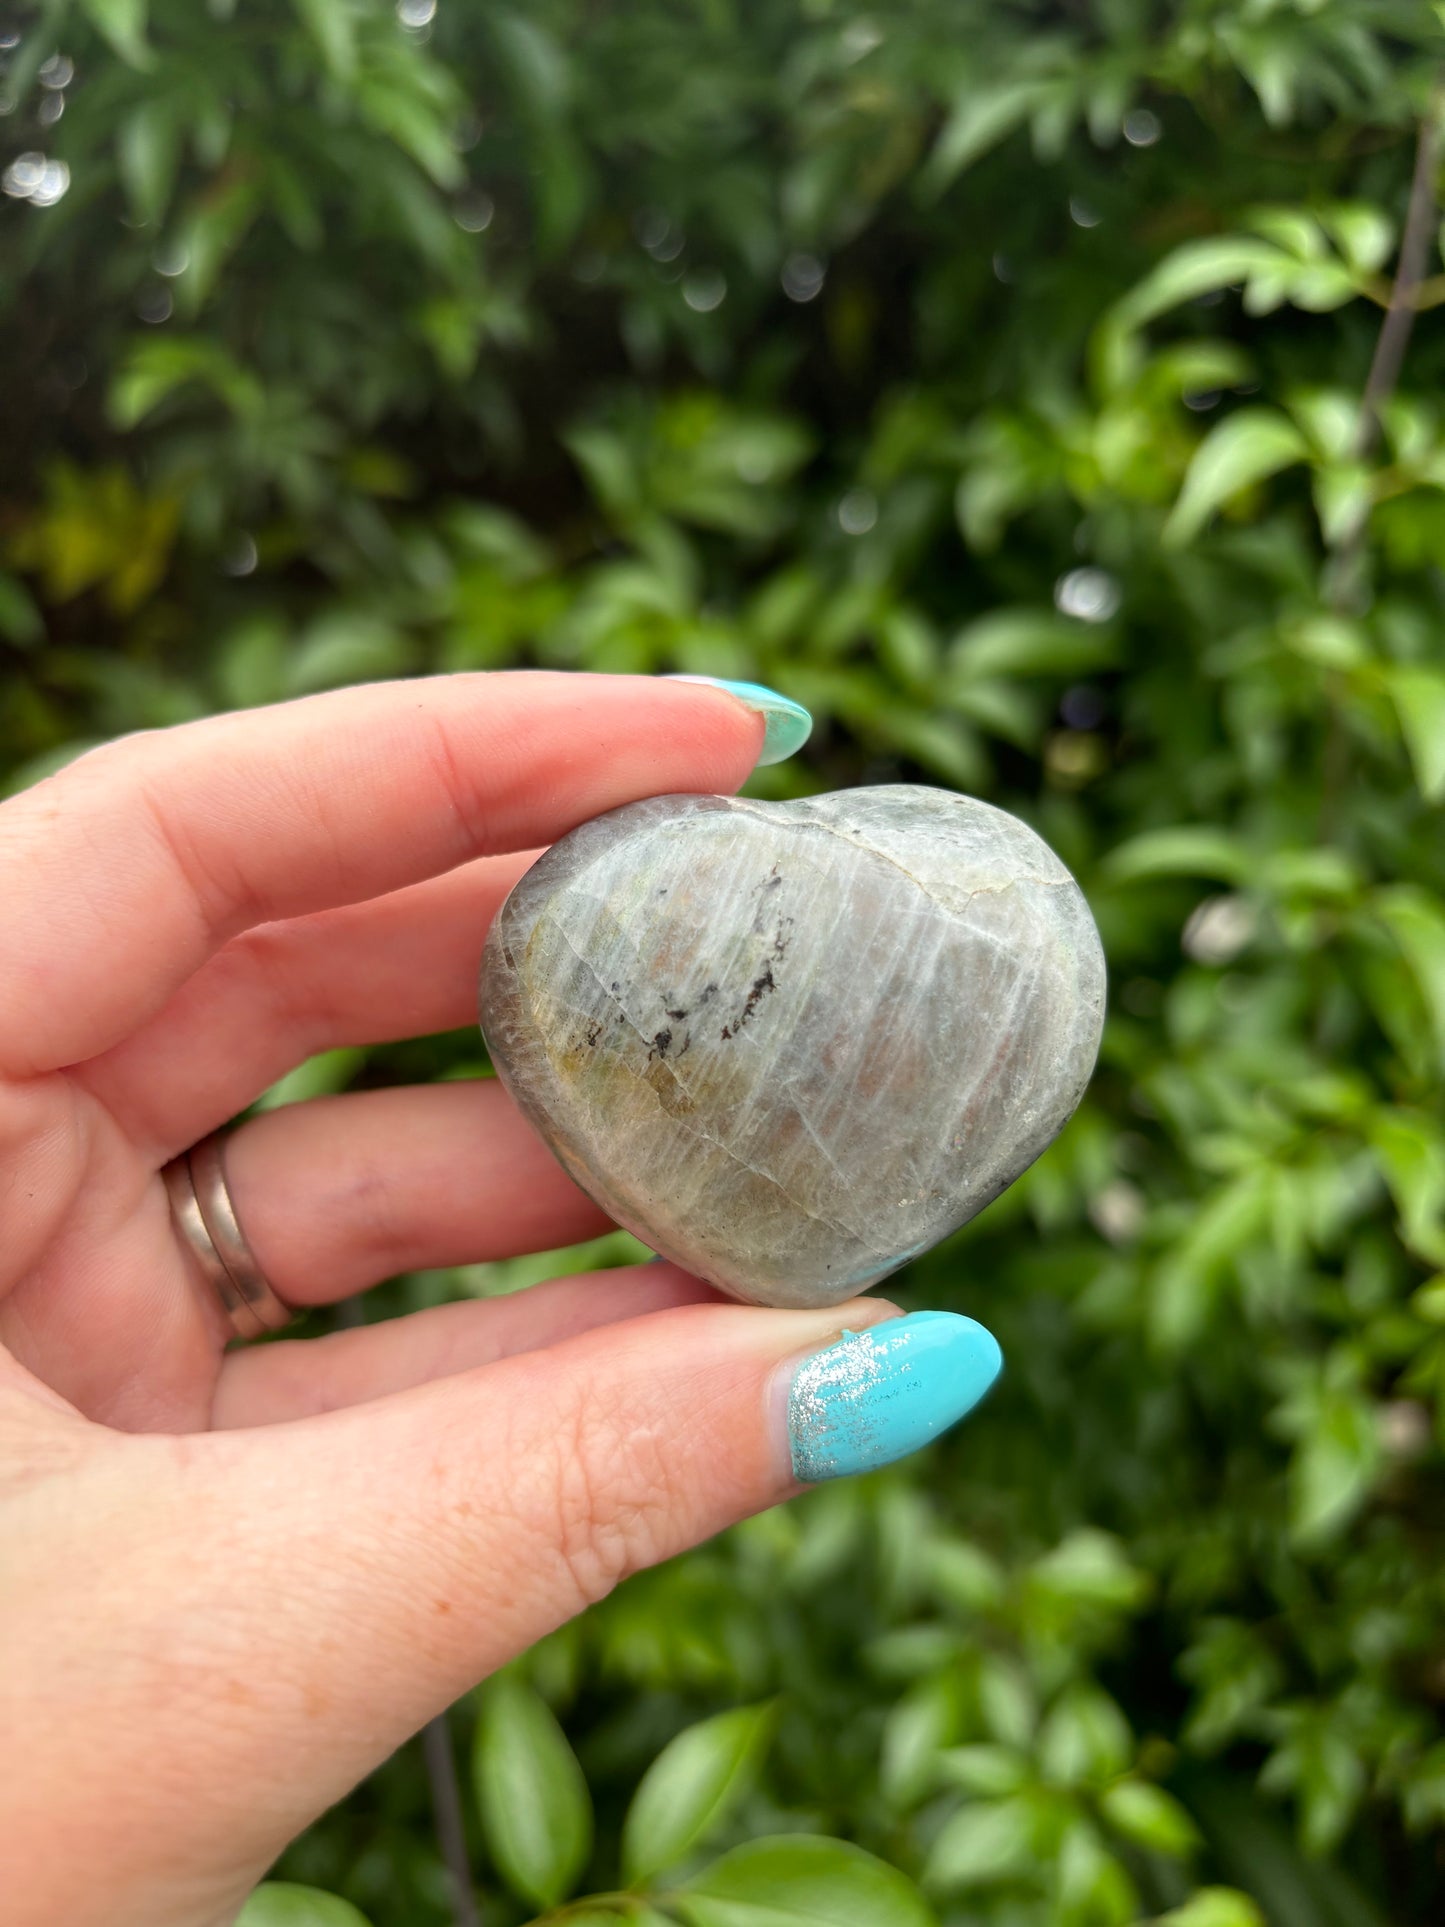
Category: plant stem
<point>1391,343</point>
<point>1395,331</point>
<point>1399,322</point>
<point>441,1768</point>
<point>1343,576</point>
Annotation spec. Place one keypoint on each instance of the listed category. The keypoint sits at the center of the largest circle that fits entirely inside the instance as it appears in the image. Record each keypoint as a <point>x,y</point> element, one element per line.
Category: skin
<point>233,1580</point>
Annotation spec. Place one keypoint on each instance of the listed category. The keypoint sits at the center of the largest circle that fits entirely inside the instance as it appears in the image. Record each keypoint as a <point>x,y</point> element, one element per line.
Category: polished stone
<point>792,1045</point>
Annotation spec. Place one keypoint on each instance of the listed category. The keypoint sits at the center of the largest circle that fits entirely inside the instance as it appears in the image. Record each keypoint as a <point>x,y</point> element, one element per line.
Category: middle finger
<point>402,965</point>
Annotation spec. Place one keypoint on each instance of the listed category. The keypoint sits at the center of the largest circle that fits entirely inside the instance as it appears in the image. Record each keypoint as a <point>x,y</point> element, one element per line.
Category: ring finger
<point>339,1193</point>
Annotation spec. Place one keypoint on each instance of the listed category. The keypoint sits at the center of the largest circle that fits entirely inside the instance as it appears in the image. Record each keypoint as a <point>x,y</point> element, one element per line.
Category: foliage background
<point>987,374</point>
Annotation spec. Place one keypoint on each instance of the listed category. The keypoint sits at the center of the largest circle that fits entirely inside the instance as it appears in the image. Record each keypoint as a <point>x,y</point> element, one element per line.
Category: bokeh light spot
<point>1091,595</point>
<point>474,210</point>
<point>1141,127</point>
<point>803,277</point>
<point>858,511</point>
<point>705,289</point>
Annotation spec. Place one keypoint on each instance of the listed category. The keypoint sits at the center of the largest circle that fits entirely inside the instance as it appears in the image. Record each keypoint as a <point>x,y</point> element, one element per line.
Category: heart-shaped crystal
<point>791,1045</point>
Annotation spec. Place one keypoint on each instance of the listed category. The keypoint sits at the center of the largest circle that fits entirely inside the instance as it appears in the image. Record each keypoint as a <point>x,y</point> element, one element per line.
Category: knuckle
<point>273,965</point>
<point>612,1491</point>
<point>458,785</point>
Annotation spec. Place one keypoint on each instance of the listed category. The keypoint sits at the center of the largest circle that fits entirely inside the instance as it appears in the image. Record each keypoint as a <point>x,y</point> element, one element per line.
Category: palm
<point>112,1270</point>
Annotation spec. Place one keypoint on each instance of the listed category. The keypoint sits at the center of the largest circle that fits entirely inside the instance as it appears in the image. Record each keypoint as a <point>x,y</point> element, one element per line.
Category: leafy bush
<point>993,378</point>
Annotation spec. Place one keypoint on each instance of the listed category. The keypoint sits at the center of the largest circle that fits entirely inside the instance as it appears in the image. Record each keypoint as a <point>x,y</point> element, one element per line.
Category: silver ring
<point>206,1218</point>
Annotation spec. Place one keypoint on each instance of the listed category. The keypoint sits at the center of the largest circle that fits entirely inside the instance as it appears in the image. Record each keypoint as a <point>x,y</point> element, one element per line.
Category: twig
<point>1343,590</point>
<point>446,1799</point>
<point>1395,330</point>
<point>1342,583</point>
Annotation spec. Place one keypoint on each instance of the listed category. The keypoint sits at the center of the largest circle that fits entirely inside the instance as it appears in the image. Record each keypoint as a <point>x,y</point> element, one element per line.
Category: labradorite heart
<point>791,1045</point>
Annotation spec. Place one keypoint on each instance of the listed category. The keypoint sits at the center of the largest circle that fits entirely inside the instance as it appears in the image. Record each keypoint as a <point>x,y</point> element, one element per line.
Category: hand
<point>232,1581</point>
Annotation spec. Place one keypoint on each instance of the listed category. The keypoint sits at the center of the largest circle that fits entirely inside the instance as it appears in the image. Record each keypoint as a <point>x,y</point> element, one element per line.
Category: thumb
<point>396,1553</point>
<point>304,1596</point>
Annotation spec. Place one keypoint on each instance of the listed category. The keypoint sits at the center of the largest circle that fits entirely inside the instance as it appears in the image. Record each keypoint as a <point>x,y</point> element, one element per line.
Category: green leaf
<point>346,646</point>
<point>978,122</point>
<point>918,1725</point>
<point>1007,1701</point>
<point>123,24</point>
<point>534,1802</point>
<point>619,1916</point>
<point>1089,1882</point>
<point>944,745</point>
<point>1292,228</point>
<point>413,105</point>
<point>800,1880</point>
<point>981,1845</point>
<point>539,64</point>
<point>1244,449</point>
<point>148,154</point>
<point>1089,1567</point>
<point>1364,233</point>
<point>1028,642</point>
<point>213,228</point>
<point>320,1076</point>
<point>1199,267</point>
<point>1416,920</point>
<point>989,1772</point>
<point>1149,1817</point>
<point>1333,1468</point>
<point>332,25</point>
<point>1419,698</point>
<point>1320,1764</point>
<point>155,368</point>
<point>280,1903</point>
<point>20,621</point>
<point>691,1787</point>
<point>1084,1737</point>
<point>1183,852</point>
<point>1411,1154</point>
<point>1215,1907</point>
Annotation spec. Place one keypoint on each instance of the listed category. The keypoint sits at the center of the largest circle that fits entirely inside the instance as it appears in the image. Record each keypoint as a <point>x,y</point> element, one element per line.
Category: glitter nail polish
<point>879,1394</point>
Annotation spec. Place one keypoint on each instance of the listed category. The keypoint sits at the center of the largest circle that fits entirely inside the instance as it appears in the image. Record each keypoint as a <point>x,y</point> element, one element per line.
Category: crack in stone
<point>856,842</point>
<point>826,1155</point>
<point>591,969</point>
<point>692,1130</point>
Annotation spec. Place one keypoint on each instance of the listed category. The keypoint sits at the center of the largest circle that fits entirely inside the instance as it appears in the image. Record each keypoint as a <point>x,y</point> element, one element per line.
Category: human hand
<point>231,1582</point>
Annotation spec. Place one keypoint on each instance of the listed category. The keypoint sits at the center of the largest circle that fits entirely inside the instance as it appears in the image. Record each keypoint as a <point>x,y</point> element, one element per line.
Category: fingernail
<point>879,1394</point>
<point>788,724</point>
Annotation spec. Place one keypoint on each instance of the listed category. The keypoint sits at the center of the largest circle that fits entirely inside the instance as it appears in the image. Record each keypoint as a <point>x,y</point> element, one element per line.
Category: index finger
<point>119,876</point>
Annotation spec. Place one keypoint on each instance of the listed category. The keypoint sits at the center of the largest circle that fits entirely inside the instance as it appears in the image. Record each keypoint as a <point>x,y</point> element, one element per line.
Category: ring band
<point>206,1218</point>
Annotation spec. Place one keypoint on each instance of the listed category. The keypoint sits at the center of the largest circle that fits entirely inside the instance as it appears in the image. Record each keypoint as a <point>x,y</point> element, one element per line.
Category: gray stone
<point>792,1045</point>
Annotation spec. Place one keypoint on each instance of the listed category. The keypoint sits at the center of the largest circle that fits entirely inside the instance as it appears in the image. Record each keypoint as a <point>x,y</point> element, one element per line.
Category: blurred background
<point>1047,393</point>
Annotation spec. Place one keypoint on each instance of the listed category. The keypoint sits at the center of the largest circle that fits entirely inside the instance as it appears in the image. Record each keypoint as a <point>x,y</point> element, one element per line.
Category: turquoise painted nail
<point>879,1394</point>
<point>788,724</point>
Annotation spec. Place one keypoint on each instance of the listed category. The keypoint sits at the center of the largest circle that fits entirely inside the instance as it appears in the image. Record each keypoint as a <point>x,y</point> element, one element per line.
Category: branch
<point>1342,585</point>
<point>436,1746</point>
<point>1399,322</point>
<point>1343,582</point>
